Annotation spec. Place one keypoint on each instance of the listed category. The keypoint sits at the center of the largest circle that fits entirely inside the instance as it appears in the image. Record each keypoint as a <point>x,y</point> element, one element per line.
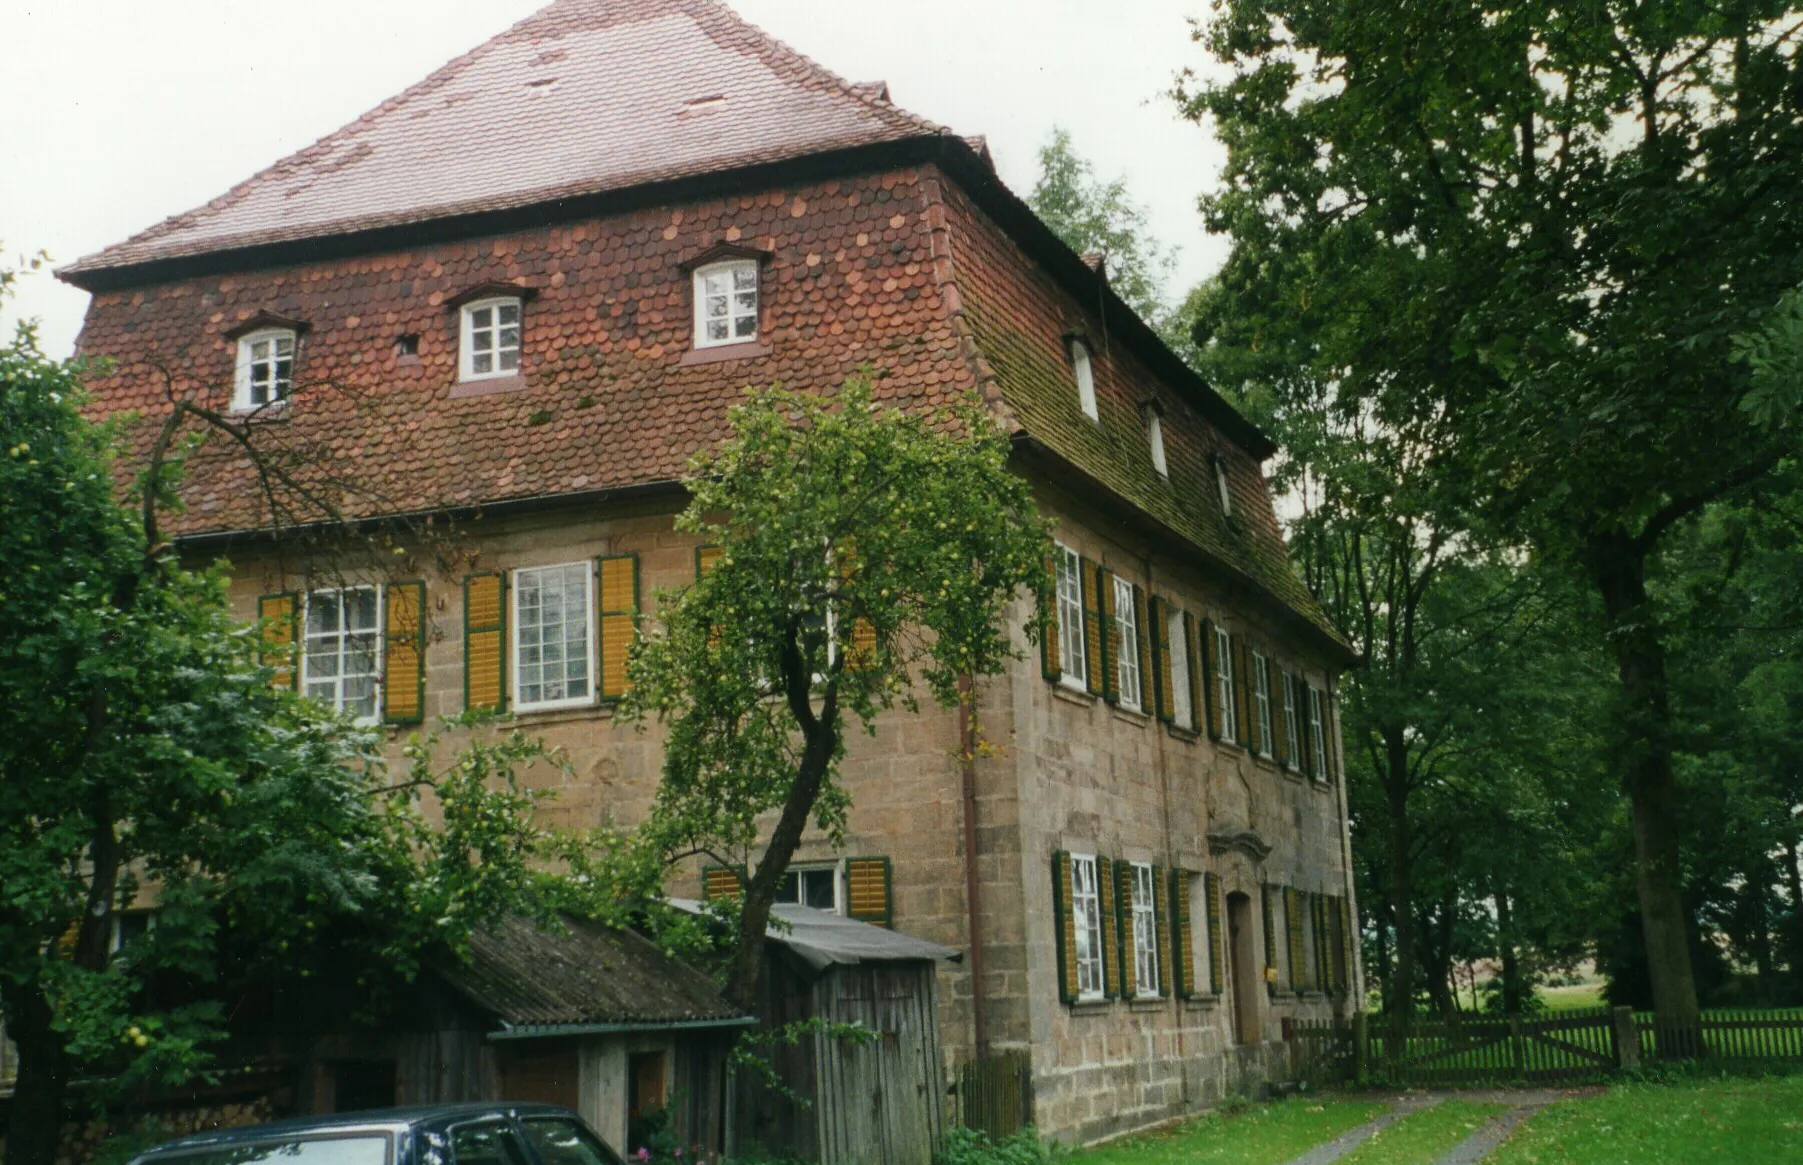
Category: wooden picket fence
<point>994,1094</point>
<point>1559,1046</point>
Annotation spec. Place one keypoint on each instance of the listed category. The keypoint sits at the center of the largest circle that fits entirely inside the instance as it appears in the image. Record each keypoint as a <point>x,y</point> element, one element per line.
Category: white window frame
<point>1145,931</point>
<point>279,386</point>
<point>1223,493</point>
<point>1086,919</point>
<point>1155,439</point>
<point>336,703</point>
<point>516,628</point>
<point>729,267</point>
<point>836,869</point>
<point>1084,370</point>
<point>1292,728</point>
<point>1177,647</point>
<point>1261,701</point>
<point>1318,731</point>
<point>1073,648</point>
<point>466,353</point>
<point>1230,721</point>
<point>1130,685</point>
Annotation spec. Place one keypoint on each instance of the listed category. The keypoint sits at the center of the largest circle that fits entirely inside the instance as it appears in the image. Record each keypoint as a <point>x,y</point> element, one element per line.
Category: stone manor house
<point>492,319</point>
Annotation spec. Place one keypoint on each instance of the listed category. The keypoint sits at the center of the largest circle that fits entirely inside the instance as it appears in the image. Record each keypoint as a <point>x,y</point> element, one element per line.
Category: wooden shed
<point>592,1018</point>
<point>867,1104</point>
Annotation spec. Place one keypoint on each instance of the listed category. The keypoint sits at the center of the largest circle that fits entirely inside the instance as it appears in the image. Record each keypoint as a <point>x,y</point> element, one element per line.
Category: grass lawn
<point>1265,1134</point>
<point>1705,1122</point>
<point>1426,1136</point>
<point>1585,995</point>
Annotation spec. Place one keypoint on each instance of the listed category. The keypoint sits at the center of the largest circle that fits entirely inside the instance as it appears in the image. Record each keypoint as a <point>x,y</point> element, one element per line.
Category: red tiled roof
<point>582,97</point>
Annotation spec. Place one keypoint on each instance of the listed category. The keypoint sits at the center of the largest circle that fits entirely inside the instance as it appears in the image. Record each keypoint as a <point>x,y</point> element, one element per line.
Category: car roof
<point>383,1119</point>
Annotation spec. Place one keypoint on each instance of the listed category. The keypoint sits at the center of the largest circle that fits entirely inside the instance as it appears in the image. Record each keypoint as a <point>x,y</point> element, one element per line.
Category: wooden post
<point>1361,1047</point>
<point>1627,1038</point>
<point>1517,1052</point>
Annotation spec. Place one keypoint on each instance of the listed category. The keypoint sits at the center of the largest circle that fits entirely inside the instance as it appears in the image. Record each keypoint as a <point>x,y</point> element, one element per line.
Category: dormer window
<point>265,368</point>
<point>726,303</point>
<point>1155,440</point>
<point>490,345</point>
<point>1086,378</point>
<point>1224,494</point>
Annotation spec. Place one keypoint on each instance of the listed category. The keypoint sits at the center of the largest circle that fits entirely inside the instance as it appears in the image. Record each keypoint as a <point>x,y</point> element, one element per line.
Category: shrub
<point>974,1147</point>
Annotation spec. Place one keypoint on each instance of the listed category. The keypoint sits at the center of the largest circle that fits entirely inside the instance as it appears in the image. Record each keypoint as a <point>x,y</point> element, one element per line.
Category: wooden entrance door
<point>1242,955</point>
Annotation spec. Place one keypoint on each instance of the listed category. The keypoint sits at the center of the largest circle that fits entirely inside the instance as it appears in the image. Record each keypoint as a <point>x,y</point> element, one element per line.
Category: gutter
<point>532,1031</point>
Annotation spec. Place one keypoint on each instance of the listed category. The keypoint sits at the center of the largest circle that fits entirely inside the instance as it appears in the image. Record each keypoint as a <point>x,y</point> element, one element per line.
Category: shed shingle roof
<point>591,975</point>
<point>582,97</point>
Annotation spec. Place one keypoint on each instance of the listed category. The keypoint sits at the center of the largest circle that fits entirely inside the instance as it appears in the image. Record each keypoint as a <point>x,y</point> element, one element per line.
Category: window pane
<point>819,887</point>
<point>509,313</point>
<point>510,360</point>
<point>745,275</point>
<point>788,890</point>
<point>561,1142</point>
<point>716,329</point>
<point>322,612</point>
<point>319,1150</point>
<point>482,317</point>
<point>284,345</point>
<point>486,1145</point>
<point>510,337</point>
<point>482,362</point>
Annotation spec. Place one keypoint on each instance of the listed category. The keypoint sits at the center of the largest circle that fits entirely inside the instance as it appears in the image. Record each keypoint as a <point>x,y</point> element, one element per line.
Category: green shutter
<point>1065,924</point>
<point>1051,660</point>
<point>1212,712</point>
<point>1211,886</point>
<point>1111,937</point>
<point>1123,929</point>
<point>1146,686</point>
<point>1111,635</point>
<point>1264,901</point>
<point>1161,927</point>
<point>1094,637</point>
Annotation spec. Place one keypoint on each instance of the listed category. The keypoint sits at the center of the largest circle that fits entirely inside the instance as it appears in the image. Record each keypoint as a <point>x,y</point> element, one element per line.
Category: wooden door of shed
<point>880,1103</point>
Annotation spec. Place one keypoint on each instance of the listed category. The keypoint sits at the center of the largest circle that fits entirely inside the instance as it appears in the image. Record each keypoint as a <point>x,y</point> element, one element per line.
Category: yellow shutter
<point>485,642</point>
<point>1264,905</point>
<point>277,615</point>
<point>1146,693</point>
<point>1242,693</point>
<point>1280,722</point>
<point>1161,924</point>
<point>619,619</point>
<point>1093,638</point>
<point>1123,925</point>
<point>1064,918</point>
<point>1163,669</point>
<point>721,882</point>
<point>1051,658</point>
<point>1183,939</point>
<point>869,889</point>
<point>1211,889</point>
<point>1111,946</point>
<point>706,558</point>
<point>404,653</point>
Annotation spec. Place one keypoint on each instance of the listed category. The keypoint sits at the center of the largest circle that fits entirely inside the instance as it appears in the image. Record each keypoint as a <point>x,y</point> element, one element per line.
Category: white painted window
<point>726,303</point>
<point>1317,733</point>
<point>1086,379</point>
<point>1177,645</point>
<point>1155,437</point>
<point>1292,723</point>
<point>1145,931</point>
<point>554,647</point>
<point>1073,649</point>
<point>1222,493</point>
<point>1126,623</point>
<point>1261,701</point>
<point>265,368</point>
<point>1230,727</point>
<point>816,886</point>
<point>1086,915</point>
<point>491,339</point>
<point>341,650</point>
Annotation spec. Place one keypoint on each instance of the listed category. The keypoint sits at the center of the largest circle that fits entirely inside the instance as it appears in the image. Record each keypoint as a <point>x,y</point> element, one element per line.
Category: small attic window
<point>491,339</point>
<point>1222,492</point>
<point>1155,440</point>
<point>700,105</point>
<point>1086,377</point>
<point>726,303</point>
<point>265,368</point>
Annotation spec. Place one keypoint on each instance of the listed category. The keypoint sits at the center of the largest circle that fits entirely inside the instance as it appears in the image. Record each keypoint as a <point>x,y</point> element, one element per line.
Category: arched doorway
<point>1242,961</point>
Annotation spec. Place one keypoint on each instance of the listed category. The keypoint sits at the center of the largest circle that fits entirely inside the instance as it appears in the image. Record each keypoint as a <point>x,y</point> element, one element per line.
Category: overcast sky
<point>119,113</point>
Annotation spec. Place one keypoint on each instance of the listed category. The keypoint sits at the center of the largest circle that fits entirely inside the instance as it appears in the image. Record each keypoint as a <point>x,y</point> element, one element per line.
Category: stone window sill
<point>1091,1007</point>
<point>1072,695</point>
<point>724,352</point>
<point>1147,1004</point>
<point>493,386</point>
<point>1202,1003</point>
<point>1181,733</point>
<point>1130,716</point>
<point>598,711</point>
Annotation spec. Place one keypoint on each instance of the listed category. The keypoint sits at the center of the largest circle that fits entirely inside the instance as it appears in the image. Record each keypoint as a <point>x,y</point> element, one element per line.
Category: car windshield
<point>301,1149</point>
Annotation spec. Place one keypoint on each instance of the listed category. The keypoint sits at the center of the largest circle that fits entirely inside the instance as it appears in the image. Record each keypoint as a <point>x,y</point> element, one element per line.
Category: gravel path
<point>1523,1103</point>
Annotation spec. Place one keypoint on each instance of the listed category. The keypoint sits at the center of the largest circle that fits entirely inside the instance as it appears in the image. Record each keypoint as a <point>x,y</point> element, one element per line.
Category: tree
<point>866,556</point>
<point>1543,229</point>
<point>1093,216</point>
<point>142,744</point>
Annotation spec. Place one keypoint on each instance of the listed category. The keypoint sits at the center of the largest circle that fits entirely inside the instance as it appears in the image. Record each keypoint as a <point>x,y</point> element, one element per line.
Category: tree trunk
<point>1513,993</point>
<point>1401,994</point>
<point>1617,566</point>
<point>754,915</point>
<point>36,1115</point>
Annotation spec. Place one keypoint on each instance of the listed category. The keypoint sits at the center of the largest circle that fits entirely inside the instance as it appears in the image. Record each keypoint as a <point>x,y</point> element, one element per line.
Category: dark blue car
<point>435,1134</point>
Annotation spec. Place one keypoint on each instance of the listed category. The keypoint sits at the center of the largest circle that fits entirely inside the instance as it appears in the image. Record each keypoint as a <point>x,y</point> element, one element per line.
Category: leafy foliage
<point>867,556</point>
<point>974,1147</point>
